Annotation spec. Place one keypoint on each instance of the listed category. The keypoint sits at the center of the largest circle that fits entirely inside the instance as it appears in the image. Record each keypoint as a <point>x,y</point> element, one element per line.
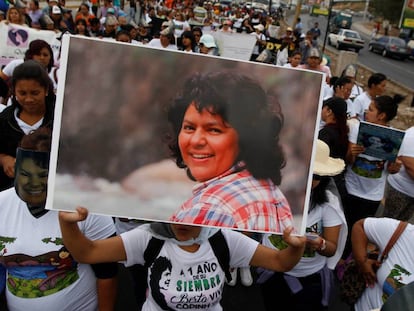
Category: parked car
<point>346,39</point>
<point>390,46</point>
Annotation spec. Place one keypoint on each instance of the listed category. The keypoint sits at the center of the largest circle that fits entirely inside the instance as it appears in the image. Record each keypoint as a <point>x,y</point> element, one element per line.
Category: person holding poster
<point>308,286</point>
<point>184,271</point>
<point>227,138</point>
<point>365,176</point>
<point>41,272</point>
<point>32,106</point>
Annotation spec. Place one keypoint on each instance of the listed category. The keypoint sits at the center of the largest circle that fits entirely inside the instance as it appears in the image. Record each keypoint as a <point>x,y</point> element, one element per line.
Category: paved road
<point>400,71</point>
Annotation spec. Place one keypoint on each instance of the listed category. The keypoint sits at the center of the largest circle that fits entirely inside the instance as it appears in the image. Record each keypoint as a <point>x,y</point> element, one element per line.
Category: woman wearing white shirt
<point>307,286</point>
<point>365,176</point>
<point>399,194</point>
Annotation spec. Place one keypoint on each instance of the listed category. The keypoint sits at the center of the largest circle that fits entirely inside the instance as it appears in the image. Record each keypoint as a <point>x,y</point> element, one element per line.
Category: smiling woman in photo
<point>227,138</point>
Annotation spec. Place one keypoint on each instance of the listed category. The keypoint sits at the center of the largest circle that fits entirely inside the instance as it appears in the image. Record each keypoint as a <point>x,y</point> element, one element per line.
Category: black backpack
<point>218,244</point>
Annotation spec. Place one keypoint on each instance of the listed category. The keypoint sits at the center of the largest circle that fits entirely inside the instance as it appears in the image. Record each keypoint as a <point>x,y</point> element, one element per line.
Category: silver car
<point>390,46</point>
<point>346,39</point>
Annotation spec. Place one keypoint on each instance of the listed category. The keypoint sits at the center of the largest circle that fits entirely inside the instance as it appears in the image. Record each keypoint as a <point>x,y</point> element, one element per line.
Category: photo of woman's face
<point>208,145</point>
<point>165,280</point>
<point>31,182</point>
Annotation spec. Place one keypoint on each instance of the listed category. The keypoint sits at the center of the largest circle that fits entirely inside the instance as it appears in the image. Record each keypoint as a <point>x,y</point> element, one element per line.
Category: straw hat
<point>324,165</point>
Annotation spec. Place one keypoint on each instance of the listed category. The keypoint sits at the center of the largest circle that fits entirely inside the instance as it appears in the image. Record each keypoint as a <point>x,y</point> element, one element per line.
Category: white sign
<point>15,40</point>
<point>235,45</point>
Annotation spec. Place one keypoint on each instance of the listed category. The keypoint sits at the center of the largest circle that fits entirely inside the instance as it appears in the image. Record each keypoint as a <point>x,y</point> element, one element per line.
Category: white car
<point>346,39</point>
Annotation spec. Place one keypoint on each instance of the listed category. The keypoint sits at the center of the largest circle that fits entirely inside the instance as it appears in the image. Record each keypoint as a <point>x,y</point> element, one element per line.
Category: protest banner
<point>15,40</point>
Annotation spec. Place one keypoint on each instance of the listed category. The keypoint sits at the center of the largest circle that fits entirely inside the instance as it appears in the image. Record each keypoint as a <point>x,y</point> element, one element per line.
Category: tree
<point>390,10</point>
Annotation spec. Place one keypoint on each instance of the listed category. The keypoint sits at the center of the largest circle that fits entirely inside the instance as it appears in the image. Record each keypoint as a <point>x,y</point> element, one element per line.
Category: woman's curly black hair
<point>245,106</point>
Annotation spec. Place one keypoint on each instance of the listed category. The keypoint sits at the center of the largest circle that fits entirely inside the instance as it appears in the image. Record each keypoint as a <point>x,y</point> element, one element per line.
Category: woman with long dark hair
<point>366,176</point>
<point>188,41</point>
<point>308,285</point>
<point>33,102</point>
<point>227,138</point>
<point>335,130</point>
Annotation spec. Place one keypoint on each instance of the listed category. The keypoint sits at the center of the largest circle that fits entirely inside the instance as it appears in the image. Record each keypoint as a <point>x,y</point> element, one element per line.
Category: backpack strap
<point>398,231</point>
<point>151,252</point>
<point>221,250</point>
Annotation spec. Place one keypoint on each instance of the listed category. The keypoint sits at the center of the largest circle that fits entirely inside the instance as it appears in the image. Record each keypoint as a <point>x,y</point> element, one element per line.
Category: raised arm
<point>280,260</point>
<point>83,249</point>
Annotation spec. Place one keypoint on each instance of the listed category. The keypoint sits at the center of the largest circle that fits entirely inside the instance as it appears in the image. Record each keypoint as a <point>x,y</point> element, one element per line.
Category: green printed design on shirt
<point>3,241</point>
<point>38,288</point>
<point>43,275</point>
<point>397,278</point>
<point>367,168</point>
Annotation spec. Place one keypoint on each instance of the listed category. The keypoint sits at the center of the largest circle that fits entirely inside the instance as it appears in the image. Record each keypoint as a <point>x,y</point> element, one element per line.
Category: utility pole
<point>327,27</point>
<point>366,10</point>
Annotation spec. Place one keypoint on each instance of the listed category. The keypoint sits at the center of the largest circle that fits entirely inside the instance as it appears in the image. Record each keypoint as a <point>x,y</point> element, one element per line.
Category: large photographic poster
<point>109,150</point>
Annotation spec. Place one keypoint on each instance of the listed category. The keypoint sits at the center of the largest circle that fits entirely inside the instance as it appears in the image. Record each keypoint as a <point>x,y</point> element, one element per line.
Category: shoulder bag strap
<point>393,239</point>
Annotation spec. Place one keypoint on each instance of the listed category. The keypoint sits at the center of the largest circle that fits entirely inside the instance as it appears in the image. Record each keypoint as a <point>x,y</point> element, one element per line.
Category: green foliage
<point>5,240</point>
<point>390,10</point>
<point>56,241</point>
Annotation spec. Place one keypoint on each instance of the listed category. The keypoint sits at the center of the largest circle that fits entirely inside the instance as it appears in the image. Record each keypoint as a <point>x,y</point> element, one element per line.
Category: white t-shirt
<point>185,280</point>
<point>180,27</point>
<point>156,43</point>
<point>350,108</point>
<point>397,270</point>
<point>9,68</point>
<point>401,181</point>
<point>366,177</point>
<point>361,103</point>
<point>259,36</point>
<point>356,91</point>
<point>44,275</point>
<point>26,128</point>
<point>329,214</point>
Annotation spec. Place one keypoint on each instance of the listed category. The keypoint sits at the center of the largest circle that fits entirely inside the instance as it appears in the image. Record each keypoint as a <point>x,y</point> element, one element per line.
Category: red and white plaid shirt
<point>236,199</point>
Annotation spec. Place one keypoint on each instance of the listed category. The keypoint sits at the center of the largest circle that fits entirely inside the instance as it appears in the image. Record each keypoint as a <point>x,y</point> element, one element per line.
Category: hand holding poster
<point>380,141</point>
